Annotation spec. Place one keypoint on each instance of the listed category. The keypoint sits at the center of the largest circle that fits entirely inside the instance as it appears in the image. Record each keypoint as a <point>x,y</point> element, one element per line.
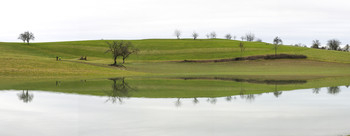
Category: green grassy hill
<point>156,57</point>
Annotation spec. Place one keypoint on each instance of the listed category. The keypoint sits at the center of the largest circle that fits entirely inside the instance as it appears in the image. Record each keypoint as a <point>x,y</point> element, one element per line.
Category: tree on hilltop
<point>26,36</point>
<point>249,37</point>
<point>195,35</point>
<point>177,33</point>
<point>213,35</point>
<point>333,44</point>
<point>276,43</point>
<point>316,44</point>
<point>228,36</point>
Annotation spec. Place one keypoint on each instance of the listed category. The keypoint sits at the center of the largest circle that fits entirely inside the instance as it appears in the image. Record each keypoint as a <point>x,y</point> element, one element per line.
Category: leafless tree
<point>208,36</point>
<point>213,35</point>
<point>115,50</point>
<point>258,40</point>
<point>120,48</point>
<point>26,36</point>
<point>177,33</point>
<point>242,47</point>
<point>127,49</point>
<point>276,43</point>
<point>242,38</point>
<point>234,37</point>
<point>333,44</point>
<point>195,35</point>
<point>228,36</point>
<point>250,37</point>
<point>346,48</point>
<point>316,44</point>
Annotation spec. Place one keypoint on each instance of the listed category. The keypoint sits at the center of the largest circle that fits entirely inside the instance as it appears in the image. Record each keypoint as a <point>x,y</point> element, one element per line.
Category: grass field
<point>37,60</point>
<point>34,67</point>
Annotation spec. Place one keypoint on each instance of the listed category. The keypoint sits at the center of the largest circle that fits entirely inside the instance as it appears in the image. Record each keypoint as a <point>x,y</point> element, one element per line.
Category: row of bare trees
<point>247,37</point>
<point>332,44</point>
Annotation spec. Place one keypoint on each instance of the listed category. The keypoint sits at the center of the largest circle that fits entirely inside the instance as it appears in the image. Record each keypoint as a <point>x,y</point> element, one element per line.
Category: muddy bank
<point>271,82</point>
<point>266,57</point>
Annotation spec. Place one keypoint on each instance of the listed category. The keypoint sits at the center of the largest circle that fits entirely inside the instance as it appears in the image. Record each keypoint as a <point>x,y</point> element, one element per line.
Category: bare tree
<point>228,36</point>
<point>120,48</point>
<point>213,35</point>
<point>258,40</point>
<point>242,47</point>
<point>316,44</point>
<point>208,36</point>
<point>333,44</point>
<point>250,37</point>
<point>26,36</point>
<point>234,37</point>
<point>177,33</point>
<point>127,49</point>
<point>276,43</point>
<point>115,50</point>
<point>346,48</point>
<point>195,35</point>
<point>242,38</point>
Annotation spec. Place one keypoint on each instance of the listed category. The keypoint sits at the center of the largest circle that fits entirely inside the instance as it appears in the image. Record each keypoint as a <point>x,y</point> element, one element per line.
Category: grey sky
<point>296,21</point>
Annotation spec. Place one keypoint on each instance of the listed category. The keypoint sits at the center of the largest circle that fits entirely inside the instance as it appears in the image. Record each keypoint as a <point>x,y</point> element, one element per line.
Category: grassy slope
<point>38,60</point>
<point>25,62</point>
<point>165,50</point>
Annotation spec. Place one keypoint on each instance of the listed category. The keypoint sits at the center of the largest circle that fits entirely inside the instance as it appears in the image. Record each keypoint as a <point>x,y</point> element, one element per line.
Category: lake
<point>117,110</point>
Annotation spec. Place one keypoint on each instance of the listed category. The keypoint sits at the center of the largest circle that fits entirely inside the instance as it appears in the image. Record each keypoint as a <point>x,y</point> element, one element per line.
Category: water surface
<point>303,112</point>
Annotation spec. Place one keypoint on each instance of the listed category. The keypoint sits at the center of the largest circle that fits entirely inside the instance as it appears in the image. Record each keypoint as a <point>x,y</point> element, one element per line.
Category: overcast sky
<point>295,21</point>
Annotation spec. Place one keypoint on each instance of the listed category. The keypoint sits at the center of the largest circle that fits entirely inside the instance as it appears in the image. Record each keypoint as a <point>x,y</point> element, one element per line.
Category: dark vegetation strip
<point>273,82</point>
<point>266,57</point>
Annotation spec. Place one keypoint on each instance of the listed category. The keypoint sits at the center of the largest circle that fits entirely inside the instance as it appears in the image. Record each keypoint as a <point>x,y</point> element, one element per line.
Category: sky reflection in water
<point>317,112</point>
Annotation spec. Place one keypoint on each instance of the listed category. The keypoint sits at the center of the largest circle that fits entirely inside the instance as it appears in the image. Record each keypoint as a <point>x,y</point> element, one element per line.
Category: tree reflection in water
<point>316,90</point>
<point>212,100</point>
<point>333,90</point>
<point>178,102</point>
<point>195,101</point>
<point>120,90</point>
<point>25,96</point>
<point>277,93</point>
<point>228,98</point>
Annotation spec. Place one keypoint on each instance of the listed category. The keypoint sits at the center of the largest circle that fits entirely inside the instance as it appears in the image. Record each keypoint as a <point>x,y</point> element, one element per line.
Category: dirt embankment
<point>266,57</point>
<point>270,82</point>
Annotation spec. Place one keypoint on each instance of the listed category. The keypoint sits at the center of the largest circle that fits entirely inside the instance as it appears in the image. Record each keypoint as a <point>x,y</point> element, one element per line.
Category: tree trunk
<point>275,51</point>
<point>115,61</point>
<point>123,60</point>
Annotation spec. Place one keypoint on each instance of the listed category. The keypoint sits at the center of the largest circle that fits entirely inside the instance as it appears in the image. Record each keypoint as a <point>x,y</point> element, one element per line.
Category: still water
<point>305,112</point>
